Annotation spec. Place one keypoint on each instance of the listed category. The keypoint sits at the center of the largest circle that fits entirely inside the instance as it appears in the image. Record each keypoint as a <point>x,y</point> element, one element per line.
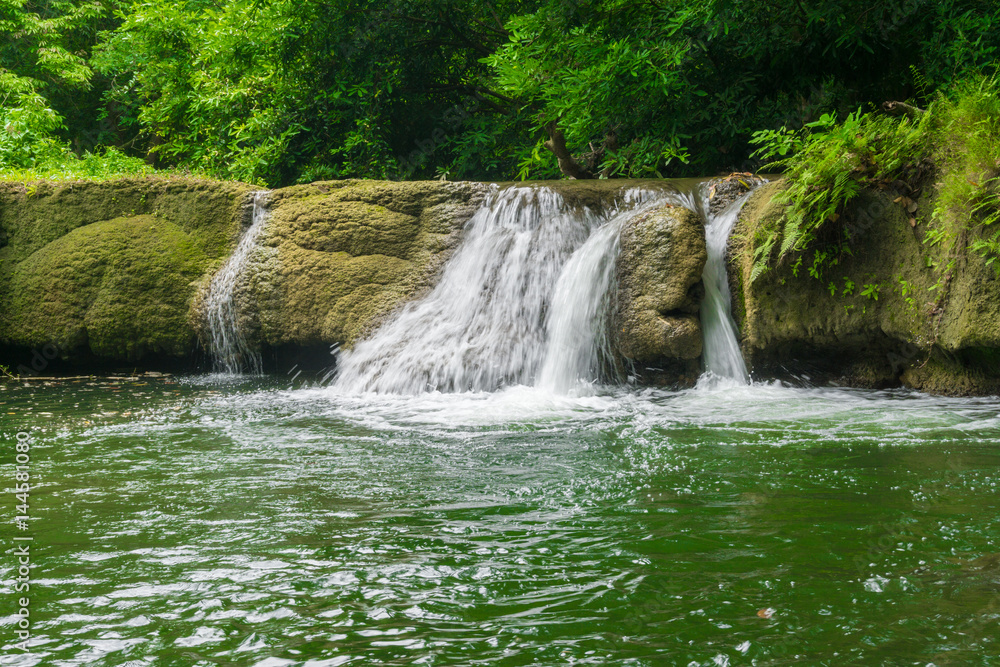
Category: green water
<point>192,522</point>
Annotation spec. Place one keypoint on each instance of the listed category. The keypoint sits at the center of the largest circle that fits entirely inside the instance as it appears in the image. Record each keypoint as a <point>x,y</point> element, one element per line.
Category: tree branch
<point>557,145</point>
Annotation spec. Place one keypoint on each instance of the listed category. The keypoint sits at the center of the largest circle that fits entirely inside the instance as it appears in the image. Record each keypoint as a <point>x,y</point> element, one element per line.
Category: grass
<point>105,164</point>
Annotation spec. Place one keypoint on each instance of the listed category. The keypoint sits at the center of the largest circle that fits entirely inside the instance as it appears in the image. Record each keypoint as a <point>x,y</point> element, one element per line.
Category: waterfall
<point>525,300</point>
<point>579,346</point>
<point>522,301</point>
<point>230,351</point>
<point>722,356</point>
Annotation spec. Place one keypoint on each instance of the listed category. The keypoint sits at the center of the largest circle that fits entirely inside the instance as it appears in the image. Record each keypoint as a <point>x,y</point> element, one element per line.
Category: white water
<point>576,336</point>
<point>721,353</point>
<point>522,302</point>
<point>525,301</point>
<point>230,351</point>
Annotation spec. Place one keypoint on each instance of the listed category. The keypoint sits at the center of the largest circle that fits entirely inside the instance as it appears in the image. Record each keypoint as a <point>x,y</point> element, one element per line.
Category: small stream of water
<point>227,344</point>
<point>721,354</point>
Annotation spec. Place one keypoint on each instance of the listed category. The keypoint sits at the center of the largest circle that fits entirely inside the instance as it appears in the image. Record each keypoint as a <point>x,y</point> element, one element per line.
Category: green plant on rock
<point>827,164</point>
<point>907,289</point>
<point>871,290</point>
<point>832,162</point>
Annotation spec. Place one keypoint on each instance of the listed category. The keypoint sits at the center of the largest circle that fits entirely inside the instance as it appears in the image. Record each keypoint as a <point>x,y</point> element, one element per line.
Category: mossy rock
<point>120,287</point>
<point>110,269</point>
<point>338,257</point>
<point>659,273</point>
<point>928,328</point>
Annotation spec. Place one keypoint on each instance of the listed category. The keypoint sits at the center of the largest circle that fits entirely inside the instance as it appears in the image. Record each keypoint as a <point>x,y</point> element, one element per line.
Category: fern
<point>831,165</point>
<point>920,83</point>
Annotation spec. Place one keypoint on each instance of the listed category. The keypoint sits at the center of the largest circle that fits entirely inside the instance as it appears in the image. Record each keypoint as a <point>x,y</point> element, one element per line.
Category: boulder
<point>336,258</point>
<point>109,270</point>
<point>659,293</point>
<point>118,271</point>
<point>889,313</point>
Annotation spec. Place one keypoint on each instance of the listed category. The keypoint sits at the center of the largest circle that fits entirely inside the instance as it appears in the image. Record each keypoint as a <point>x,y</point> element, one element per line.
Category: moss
<point>934,299</point>
<point>34,214</point>
<point>119,286</point>
<point>952,375</point>
<point>406,197</point>
<point>110,268</point>
<point>328,224</point>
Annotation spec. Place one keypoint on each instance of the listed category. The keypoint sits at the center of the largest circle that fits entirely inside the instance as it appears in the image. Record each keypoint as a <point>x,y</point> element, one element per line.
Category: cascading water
<point>578,344</point>
<point>227,344</point>
<point>526,298</point>
<point>576,337</point>
<point>721,355</point>
<point>522,301</point>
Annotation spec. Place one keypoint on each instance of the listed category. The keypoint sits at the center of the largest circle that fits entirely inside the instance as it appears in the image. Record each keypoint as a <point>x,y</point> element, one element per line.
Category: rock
<point>724,191</point>
<point>110,269</point>
<point>337,258</point>
<point>659,294</point>
<point>118,271</point>
<point>923,330</point>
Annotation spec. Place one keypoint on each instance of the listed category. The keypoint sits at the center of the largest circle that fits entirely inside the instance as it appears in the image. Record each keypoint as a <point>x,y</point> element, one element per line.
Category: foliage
<point>100,165</point>
<point>282,91</point>
<point>610,69</point>
<point>827,164</point>
<point>687,83</point>
<point>968,150</point>
<point>830,164</point>
<point>309,90</point>
<point>48,97</point>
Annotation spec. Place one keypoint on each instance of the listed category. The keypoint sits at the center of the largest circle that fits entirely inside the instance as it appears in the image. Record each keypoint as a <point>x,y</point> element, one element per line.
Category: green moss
<point>329,224</point>
<point>953,375</point>
<point>111,268</point>
<point>119,286</point>
<point>34,214</point>
<point>935,299</point>
<point>955,144</point>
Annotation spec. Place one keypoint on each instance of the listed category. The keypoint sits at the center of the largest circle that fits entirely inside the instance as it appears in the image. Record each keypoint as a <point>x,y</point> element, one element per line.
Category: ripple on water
<point>262,525</point>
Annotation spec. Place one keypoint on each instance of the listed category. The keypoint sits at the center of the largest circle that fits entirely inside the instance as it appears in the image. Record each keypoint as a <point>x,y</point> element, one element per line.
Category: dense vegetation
<point>280,91</point>
<point>953,144</point>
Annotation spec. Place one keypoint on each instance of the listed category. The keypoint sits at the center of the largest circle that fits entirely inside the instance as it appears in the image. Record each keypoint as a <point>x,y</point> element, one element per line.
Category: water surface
<point>198,522</point>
